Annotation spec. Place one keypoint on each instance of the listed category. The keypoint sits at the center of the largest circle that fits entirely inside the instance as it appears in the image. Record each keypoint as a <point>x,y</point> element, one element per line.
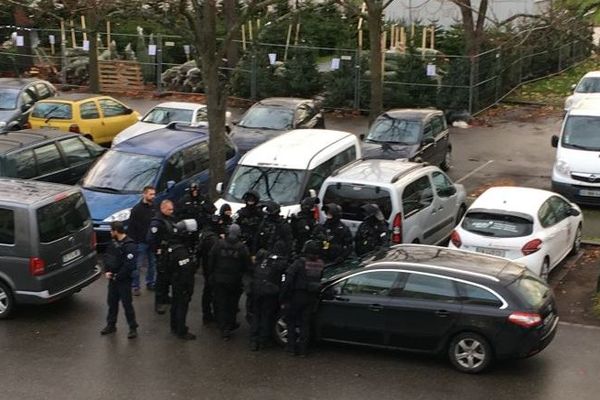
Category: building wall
<point>445,13</point>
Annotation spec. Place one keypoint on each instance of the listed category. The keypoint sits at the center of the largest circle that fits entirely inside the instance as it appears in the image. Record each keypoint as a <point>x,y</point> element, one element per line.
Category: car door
<point>20,164</point>
<point>428,151</point>
<point>115,117</point>
<point>78,158</point>
<point>564,226</point>
<point>51,165</point>
<point>422,312</point>
<point>26,101</point>
<point>441,134</point>
<point>446,202</point>
<point>418,211</point>
<point>92,124</point>
<point>552,238</point>
<point>172,171</point>
<point>195,164</point>
<point>353,310</point>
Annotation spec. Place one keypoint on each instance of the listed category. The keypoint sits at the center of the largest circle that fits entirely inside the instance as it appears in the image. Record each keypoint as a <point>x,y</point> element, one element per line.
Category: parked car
<point>588,86</point>
<point>473,308</point>
<point>47,244</point>
<point>46,155</point>
<point>576,172</point>
<point>99,118</point>
<point>415,134</point>
<point>163,114</point>
<point>534,227</point>
<point>271,117</point>
<point>285,169</point>
<point>168,159</point>
<point>420,202</point>
<point>17,97</point>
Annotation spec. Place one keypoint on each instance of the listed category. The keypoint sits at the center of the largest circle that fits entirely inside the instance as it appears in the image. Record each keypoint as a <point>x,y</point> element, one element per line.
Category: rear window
<point>52,110</point>
<point>531,290</point>
<point>497,225</point>
<point>352,197</point>
<point>62,218</point>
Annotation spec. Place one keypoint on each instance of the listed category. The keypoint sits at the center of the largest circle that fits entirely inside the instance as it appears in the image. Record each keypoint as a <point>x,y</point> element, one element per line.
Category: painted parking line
<point>476,170</point>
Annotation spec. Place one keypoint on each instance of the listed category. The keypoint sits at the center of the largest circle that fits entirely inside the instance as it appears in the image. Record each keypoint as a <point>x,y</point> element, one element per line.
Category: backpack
<point>314,272</point>
<point>265,281</point>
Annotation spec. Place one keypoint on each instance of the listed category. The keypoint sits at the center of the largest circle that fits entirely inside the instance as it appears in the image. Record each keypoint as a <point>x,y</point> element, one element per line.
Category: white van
<point>286,168</point>
<point>576,172</point>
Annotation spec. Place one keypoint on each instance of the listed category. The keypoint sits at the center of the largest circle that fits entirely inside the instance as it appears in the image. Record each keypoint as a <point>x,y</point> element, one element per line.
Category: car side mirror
<point>573,86</point>
<point>447,191</point>
<point>361,137</point>
<point>26,107</point>
<point>573,212</point>
<point>170,185</point>
<point>219,187</point>
<point>428,140</point>
<point>235,122</point>
<point>554,141</point>
<point>128,111</point>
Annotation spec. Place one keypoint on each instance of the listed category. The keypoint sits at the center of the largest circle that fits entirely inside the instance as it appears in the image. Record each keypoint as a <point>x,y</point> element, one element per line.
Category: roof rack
<point>4,139</point>
<point>349,165</point>
<point>400,174</point>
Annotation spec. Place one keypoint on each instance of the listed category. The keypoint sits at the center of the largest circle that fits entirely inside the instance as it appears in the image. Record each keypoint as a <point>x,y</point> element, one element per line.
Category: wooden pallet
<point>120,76</point>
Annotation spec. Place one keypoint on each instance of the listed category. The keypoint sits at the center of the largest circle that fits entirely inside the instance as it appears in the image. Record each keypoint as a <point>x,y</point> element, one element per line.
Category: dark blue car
<point>168,159</point>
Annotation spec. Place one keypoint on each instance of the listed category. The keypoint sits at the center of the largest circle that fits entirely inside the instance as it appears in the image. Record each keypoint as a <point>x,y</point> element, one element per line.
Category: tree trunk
<point>374,17</point>
<point>93,69</point>
<point>231,19</point>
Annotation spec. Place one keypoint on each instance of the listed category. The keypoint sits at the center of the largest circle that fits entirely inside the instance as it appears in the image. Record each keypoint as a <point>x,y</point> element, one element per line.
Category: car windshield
<point>122,172</point>
<point>588,85</point>
<point>581,132</point>
<point>497,225</point>
<point>164,116</point>
<point>352,197</point>
<point>8,98</point>
<point>52,110</point>
<point>531,290</point>
<point>281,185</point>
<point>393,130</point>
<point>62,218</point>
<point>264,117</point>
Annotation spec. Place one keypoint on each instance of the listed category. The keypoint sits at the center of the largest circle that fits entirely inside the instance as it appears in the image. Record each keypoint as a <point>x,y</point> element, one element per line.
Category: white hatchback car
<point>163,114</point>
<point>535,227</point>
<point>587,87</point>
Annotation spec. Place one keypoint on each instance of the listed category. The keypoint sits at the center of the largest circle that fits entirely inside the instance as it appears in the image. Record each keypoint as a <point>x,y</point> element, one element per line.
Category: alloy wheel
<point>469,353</point>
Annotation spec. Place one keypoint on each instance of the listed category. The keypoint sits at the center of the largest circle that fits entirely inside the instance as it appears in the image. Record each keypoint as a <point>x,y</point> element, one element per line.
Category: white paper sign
<point>151,49</point>
<point>431,70</point>
<point>86,45</point>
<point>335,64</point>
<point>169,44</point>
<point>20,41</point>
<point>186,49</point>
<point>272,58</point>
<point>347,58</point>
<point>51,39</point>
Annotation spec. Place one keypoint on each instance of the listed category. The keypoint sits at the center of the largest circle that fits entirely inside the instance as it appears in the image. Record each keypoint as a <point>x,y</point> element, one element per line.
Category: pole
<point>357,57</point>
<point>253,71</point>
<point>471,85</point>
<point>287,42</point>
<point>63,52</point>
<point>85,38</point>
<point>108,35</point>
<point>159,63</point>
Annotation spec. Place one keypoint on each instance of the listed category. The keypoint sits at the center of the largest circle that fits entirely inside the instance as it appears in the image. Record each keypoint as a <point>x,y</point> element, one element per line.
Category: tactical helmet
<point>224,208</point>
<point>311,247</point>
<point>251,193</point>
<point>372,210</point>
<point>194,186</point>
<point>308,203</point>
<point>234,231</point>
<point>332,209</point>
<point>271,208</point>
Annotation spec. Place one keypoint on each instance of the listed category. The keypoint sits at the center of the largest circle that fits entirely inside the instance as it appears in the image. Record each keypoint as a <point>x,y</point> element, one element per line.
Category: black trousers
<point>120,292</point>
<point>182,295</point>
<point>227,297</point>
<point>208,311</point>
<point>163,281</point>
<point>264,308</point>
<point>298,318</point>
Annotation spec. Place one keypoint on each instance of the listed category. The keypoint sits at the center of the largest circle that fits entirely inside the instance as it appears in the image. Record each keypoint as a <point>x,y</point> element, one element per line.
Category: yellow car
<point>99,118</point>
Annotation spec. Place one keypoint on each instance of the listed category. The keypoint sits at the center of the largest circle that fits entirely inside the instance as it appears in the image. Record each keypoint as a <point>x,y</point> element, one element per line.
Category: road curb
<point>592,327</point>
<point>567,268</point>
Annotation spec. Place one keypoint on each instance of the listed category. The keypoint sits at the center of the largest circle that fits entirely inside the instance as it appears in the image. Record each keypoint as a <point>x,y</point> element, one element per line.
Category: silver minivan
<point>419,201</point>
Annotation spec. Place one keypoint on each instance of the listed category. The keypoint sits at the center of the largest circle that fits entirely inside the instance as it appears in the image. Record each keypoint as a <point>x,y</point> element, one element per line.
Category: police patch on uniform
<point>154,229</point>
<point>130,256</point>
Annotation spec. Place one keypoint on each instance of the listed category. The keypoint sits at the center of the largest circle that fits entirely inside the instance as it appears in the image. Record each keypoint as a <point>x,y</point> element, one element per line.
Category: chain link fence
<point>341,77</point>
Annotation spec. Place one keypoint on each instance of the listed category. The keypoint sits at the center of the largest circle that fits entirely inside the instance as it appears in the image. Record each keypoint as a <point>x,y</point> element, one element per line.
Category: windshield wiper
<point>103,189</point>
<point>48,115</point>
<point>484,233</point>
<point>578,146</point>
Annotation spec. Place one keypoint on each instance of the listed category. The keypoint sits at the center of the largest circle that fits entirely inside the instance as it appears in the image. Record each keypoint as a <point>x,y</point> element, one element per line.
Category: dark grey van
<point>47,243</point>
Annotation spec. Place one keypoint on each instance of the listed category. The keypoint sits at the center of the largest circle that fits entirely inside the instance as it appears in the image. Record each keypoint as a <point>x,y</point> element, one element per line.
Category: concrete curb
<point>593,327</point>
<point>591,242</point>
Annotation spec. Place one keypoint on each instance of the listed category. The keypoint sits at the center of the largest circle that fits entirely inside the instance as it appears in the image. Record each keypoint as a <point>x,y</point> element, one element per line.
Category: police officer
<point>299,296</point>
<point>266,279</point>
<point>249,217</point>
<point>209,235</point>
<point>229,260</point>
<point>180,259</point>
<point>225,215</point>
<point>372,233</point>
<point>160,236</point>
<point>272,229</point>
<point>303,223</point>
<point>120,266</point>
<point>191,204</point>
<point>335,236</point>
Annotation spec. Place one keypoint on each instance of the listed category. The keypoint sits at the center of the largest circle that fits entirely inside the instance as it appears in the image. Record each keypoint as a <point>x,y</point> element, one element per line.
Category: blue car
<point>168,159</point>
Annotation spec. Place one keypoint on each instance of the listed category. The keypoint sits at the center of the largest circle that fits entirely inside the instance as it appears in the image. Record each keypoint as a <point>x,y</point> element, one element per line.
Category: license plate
<point>589,193</point>
<point>491,252</point>
<point>67,258</point>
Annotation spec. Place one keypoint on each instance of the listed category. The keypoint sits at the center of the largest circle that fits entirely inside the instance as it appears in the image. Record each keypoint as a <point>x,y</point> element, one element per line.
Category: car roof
<point>17,139</point>
<point>18,82</point>
<point>412,113</point>
<point>460,264</point>
<point>162,142</point>
<point>291,102</point>
<point>180,105</point>
<point>373,171</point>
<point>294,149</point>
<point>512,199</point>
<point>73,97</point>
<point>587,106</point>
<point>28,192</point>
<point>592,74</point>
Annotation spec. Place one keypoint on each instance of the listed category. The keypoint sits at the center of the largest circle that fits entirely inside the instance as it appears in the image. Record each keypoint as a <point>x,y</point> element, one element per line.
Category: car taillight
<point>397,229</point>
<point>525,319</point>
<point>37,266</point>
<point>74,128</point>
<point>316,214</point>
<point>455,239</point>
<point>93,241</point>
<point>531,247</point>
<point>27,125</point>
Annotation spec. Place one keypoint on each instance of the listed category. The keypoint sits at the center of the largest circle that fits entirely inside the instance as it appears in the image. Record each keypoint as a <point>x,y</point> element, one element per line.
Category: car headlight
<point>2,124</point>
<point>122,215</point>
<point>562,167</point>
<point>569,103</point>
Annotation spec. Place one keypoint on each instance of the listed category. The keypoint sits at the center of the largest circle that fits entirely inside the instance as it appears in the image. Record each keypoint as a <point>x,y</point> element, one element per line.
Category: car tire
<point>7,301</point>
<point>460,214</point>
<point>447,163</point>
<point>470,353</point>
<point>545,269</point>
<point>576,242</point>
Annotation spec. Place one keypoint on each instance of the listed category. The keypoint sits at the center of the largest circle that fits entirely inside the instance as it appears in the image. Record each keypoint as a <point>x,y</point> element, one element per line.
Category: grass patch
<point>554,90</point>
<point>596,305</point>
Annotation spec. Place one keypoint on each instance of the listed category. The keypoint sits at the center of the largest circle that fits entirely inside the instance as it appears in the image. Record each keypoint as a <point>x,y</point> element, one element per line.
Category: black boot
<point>132,333</point>
<point>108,330</point>
<point>187,336</point>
